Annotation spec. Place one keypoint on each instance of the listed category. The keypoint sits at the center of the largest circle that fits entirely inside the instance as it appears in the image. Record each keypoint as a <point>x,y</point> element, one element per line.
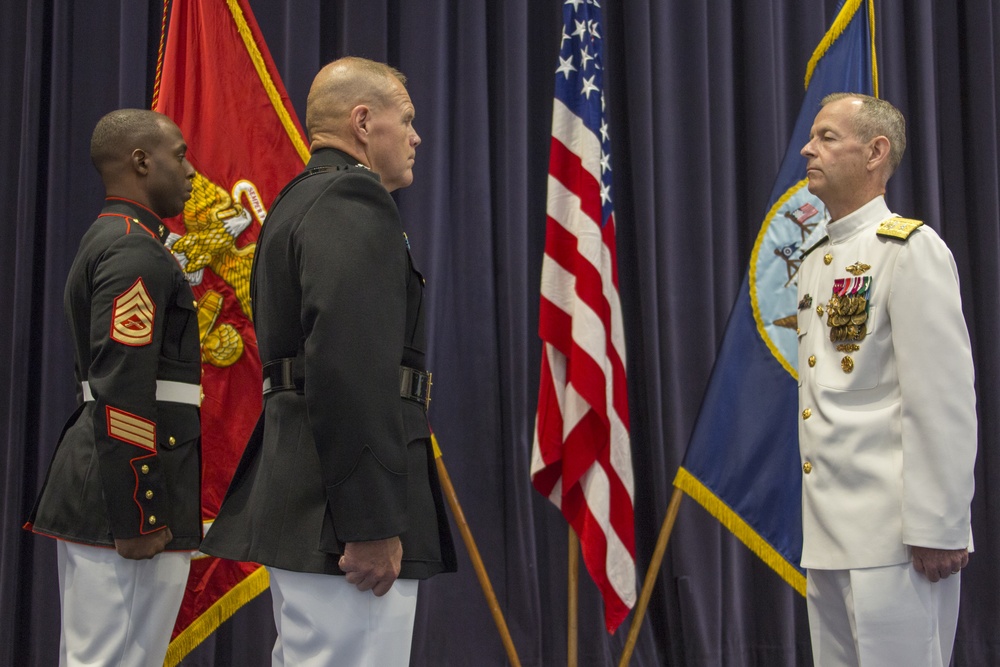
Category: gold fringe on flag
<point>836,30</point>
<point>265,79</point>
<point>216,615</point>
<point>690,485</point>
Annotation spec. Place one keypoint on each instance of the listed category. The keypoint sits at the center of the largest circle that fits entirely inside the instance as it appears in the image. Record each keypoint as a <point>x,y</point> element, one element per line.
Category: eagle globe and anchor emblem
<point>214,219</point>
<point>794,224</point>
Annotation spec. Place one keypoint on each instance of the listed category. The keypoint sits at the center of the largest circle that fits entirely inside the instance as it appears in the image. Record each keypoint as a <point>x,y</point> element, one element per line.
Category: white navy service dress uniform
<point>887,435</point>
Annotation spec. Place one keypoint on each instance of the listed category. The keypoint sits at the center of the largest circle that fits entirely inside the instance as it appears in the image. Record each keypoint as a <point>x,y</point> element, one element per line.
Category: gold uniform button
<point>807,467</point>
<point>195,303</point>
<point>812,360</point>
<point>144,469</point>
<point>172,440</point>
<point>819,310</point>
<point>827,258</point>
<point>149,495</point>
<point>152,520</point>
<point>807,413</point>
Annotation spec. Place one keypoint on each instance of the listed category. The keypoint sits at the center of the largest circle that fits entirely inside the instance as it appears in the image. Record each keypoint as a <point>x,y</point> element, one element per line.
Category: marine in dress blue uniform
<point>122,493</point>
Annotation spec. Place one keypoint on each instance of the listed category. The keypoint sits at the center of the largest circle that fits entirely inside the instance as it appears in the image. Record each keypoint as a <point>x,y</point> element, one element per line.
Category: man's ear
<point>879,155</point>
<point>360,118</point>
<point>139,161</point>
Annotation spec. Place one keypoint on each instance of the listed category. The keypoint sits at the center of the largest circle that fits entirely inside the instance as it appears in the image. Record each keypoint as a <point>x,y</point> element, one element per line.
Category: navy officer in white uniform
<point>887,423</point>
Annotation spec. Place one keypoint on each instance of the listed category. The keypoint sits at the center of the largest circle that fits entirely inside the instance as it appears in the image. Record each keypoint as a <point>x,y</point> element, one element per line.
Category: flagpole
<point>477,560</point>
<point>651,575</point>
<point>572,598</point>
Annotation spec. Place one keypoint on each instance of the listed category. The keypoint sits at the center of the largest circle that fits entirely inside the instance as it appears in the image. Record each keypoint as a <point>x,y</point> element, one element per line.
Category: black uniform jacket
<point>344,457</point>
<point>127,464</point>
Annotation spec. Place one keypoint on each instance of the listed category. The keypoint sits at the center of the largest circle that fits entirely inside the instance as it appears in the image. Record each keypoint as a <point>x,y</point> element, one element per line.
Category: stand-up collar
<point>333,157</point>
<point>135,210</point>
<point>871,213</point>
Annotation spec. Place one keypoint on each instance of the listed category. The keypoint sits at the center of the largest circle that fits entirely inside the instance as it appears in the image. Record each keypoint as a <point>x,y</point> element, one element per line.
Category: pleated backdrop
<point>701,99</point>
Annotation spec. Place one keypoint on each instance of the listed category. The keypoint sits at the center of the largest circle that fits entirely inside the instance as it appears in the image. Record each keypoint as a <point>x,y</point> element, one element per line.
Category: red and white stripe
<point>581,458</point>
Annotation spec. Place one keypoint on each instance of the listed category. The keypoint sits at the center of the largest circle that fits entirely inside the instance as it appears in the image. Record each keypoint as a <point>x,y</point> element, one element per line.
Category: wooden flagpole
<point>477,560</point>
<point>572,598</point>
<point>651,575</point>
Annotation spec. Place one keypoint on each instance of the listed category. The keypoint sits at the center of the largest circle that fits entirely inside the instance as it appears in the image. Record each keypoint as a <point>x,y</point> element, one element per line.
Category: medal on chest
<point>847,310</point>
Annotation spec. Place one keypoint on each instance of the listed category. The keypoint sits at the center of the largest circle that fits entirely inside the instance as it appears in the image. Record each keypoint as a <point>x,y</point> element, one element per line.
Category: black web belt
<point>279,375</point>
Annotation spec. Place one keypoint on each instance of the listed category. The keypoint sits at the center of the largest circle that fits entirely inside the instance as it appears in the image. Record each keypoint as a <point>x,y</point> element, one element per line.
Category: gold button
<point>807,467</point>
<point>827,258</point>
<point>144,469</point>
<point>807,413</point>
<point>847,364</point>
<point>819,310</point>
<point>812,360</point>
<point>149,495</point>
<point>172,440</point>
<point>797,331</point>
<point>196,303</point>
<point>152,520</point>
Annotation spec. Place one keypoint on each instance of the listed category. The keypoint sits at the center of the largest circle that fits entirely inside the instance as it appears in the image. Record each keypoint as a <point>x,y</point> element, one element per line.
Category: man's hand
<point>147,546</point>
<point>372,565</point>
<point>938,564</point>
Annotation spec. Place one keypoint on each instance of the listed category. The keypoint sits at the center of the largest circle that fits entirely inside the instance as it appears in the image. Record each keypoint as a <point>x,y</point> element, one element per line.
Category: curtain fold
<point>701,98</point>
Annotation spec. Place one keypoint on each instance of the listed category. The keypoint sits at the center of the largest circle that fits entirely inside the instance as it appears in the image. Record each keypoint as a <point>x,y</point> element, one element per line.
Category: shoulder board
<point>899,228</point>
<point>813,247</point>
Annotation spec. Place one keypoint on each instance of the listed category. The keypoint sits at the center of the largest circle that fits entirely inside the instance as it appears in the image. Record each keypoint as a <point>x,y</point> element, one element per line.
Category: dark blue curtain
<point>701,98</point>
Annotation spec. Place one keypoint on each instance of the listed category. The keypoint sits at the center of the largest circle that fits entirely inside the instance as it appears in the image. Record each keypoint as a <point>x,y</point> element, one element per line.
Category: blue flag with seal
<point>742,463</point>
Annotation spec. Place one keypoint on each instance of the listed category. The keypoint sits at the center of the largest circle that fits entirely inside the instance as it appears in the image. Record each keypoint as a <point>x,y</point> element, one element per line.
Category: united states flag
<point>581,459</point>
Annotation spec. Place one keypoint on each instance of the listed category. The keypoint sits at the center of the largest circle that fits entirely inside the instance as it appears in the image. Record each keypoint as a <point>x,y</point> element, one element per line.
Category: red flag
<point>581,459</point>
<point>216,80</point>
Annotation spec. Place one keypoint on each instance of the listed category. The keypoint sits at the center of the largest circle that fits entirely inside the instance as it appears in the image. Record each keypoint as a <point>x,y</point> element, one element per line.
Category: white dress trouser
<point>323,621</point>
<point>881,616</point>
<point>117,612</point>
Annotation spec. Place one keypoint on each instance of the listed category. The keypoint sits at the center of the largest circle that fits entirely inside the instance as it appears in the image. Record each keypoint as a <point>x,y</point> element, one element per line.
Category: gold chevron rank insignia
<point>131,428</point>
<point>132,320</point>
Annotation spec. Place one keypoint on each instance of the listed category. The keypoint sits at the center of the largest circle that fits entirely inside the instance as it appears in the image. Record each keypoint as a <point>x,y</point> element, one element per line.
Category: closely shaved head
<point>120,132</point>
<point>343,85</point>
<point>142,156</point>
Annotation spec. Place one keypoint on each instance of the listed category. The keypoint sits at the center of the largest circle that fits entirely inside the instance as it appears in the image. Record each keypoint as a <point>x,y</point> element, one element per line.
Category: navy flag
<point>742,463</point>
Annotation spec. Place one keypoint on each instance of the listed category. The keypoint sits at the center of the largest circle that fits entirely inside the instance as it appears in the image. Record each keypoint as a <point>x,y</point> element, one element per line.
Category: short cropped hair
<point>122,131</point>
<point>345,83</point>
<point>877,118</point>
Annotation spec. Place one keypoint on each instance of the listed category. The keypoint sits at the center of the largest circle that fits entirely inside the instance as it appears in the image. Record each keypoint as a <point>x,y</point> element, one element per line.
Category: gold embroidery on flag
<point>132,320</point>
<point>214,220</point>
<point>131,428</point>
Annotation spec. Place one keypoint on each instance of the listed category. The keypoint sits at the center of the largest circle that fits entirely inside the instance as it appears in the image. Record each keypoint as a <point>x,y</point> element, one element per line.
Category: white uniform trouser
<point>117,612</point>
<point>323,621</point>
<point>881,616</point>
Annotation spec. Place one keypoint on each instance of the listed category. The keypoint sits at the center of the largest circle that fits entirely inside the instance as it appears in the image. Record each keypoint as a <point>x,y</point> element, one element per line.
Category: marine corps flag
<point>216,80</point>
<point>742,463</point>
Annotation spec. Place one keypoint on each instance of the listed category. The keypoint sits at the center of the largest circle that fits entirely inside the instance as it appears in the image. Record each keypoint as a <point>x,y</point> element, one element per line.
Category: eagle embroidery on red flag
<point>217,81</point>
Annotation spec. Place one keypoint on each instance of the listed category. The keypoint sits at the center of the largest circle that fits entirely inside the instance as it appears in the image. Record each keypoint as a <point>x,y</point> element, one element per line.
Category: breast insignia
<point>899,228</point>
